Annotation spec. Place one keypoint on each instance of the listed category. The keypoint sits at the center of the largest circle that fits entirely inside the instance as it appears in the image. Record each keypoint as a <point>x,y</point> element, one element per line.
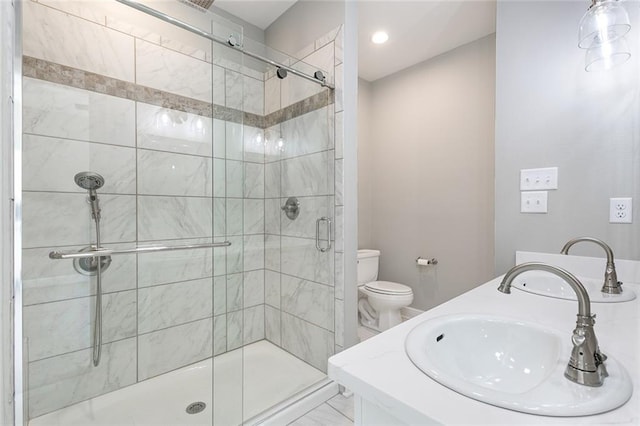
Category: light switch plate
<point>537,179</point>
<point>533,202</point>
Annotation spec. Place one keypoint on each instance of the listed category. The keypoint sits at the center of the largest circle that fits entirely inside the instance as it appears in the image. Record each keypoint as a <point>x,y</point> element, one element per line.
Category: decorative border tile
<point>312,103</point>
<point>73,77</point>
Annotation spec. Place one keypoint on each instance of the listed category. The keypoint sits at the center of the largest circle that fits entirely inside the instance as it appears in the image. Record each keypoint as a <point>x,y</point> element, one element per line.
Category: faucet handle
<point>577,338</point>
<point>600,357</point>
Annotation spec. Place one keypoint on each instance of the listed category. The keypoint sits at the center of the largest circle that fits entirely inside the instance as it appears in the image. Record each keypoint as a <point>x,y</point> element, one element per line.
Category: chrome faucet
<point>586,365</point>
<point>611,284</point>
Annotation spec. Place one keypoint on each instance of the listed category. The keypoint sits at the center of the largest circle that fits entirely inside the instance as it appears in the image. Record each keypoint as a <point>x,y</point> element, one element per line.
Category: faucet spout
<point>584,303</point>
<point>586,364</point>
<point>611,284</point>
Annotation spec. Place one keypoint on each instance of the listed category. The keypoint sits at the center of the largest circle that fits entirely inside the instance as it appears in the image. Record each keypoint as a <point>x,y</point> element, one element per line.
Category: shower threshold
<point>247,382</point>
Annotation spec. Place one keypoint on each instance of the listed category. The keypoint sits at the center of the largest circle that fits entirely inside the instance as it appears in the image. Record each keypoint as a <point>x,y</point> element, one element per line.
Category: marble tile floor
<point>258,369</point>
<point>365,333</point>
<point>337,411</point>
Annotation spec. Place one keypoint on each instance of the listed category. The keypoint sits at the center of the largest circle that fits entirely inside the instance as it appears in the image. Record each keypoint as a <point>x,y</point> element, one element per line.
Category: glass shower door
<point>299,257</point>
<point>180,141</point>
<point>231,203</point>
<point>150,124</point>
<point>306,246</point>
<point>69,130</point>
<point>279,272</point>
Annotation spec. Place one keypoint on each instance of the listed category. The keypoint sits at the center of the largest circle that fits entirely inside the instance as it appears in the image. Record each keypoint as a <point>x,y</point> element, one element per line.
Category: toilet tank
<point>367,266</point>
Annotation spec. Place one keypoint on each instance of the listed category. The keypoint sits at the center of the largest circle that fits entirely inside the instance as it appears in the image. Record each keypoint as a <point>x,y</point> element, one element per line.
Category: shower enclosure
<point>203,302</point>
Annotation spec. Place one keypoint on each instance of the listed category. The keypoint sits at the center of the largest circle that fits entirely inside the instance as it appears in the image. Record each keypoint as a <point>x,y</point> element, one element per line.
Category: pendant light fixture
<point>602,31</point>
<point>608,55</point>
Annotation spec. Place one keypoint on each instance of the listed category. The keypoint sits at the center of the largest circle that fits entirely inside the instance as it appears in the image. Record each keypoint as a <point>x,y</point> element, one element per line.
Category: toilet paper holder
<point>423,262</point>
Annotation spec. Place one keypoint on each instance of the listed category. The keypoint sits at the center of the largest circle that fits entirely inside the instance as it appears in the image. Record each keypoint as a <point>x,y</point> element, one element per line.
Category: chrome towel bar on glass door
<point>150,249</point>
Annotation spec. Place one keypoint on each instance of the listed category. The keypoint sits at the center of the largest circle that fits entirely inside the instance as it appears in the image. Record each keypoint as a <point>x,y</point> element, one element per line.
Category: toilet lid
<point>388,287</point>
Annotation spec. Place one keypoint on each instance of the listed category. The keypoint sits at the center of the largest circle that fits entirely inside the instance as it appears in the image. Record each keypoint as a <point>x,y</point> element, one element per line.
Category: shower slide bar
<point>230,42</point>
<point>150,249</point>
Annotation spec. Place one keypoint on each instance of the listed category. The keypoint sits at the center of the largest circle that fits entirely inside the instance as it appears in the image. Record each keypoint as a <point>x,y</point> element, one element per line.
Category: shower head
<point>89,180</point>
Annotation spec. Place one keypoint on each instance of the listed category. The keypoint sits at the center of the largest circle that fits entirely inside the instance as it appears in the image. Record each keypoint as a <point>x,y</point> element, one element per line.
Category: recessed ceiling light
<point>379,37</point>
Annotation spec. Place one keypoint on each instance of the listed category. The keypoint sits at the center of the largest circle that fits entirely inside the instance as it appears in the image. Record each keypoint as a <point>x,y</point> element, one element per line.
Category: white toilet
<point>379,302</point>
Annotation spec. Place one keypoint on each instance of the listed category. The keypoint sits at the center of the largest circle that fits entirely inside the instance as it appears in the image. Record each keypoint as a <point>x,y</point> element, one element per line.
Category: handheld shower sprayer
<point>91,181</point>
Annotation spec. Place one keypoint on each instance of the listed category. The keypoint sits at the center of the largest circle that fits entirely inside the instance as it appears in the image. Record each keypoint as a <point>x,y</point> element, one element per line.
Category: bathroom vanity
<point>390,390</point>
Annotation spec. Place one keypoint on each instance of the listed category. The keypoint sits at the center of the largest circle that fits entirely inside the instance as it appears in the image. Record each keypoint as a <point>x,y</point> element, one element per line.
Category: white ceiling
<point>260,13</point>
<point>418,30</point>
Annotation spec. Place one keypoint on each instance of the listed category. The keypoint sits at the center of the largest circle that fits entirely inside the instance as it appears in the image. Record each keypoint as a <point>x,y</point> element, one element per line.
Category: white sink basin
<point>511,364</point>
<point>545,284</point>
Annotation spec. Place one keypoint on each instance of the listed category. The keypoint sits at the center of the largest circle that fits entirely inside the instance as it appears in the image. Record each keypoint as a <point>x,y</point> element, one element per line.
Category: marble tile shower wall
<point>304,287</point>
<point>171,177</point>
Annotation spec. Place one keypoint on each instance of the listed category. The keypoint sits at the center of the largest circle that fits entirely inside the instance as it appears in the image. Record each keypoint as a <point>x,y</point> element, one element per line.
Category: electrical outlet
<point>620,210</point>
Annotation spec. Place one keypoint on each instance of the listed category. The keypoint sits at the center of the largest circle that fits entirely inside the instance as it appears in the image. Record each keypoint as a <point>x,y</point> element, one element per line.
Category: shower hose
<point>97,324</point>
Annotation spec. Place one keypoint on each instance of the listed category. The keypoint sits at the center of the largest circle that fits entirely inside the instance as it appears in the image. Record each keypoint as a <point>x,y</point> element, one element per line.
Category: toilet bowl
<point>380,302</point>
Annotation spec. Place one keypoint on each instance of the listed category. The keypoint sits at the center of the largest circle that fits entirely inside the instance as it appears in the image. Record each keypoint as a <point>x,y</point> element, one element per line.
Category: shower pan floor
<point>266,374</point>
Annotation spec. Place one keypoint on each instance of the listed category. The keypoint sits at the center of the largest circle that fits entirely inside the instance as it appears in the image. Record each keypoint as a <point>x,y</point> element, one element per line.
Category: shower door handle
<point>318,245</point>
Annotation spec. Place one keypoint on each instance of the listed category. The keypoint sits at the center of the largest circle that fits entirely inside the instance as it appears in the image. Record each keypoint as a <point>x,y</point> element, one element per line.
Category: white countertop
<point>379,370</point>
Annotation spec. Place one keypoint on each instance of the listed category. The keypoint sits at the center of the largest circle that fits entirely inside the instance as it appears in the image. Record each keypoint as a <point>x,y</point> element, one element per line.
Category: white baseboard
<point>409,312</point>
<point>287,412</point>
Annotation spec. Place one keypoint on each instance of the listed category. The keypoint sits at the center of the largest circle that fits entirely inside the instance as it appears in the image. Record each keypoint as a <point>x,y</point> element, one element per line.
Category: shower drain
<point>196,407</point>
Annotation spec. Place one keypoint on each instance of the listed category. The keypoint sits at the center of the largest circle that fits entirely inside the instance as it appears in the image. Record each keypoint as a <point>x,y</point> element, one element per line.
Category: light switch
<point>533,202</point>
<point>537,179</point>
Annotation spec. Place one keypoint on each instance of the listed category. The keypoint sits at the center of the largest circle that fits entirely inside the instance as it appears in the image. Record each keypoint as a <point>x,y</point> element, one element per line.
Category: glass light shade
<point>604,22</point>
<point>608,55</point>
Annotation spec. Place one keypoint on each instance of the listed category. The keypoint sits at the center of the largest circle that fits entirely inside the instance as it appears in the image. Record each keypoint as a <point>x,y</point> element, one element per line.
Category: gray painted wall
<point>302,23</point>
<point>431,133</point>
<point>365,164</point>
<point>550,112</point>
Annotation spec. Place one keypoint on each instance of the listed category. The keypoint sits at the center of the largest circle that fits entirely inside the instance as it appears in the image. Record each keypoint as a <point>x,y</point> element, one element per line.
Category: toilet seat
<point>388,287</point>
